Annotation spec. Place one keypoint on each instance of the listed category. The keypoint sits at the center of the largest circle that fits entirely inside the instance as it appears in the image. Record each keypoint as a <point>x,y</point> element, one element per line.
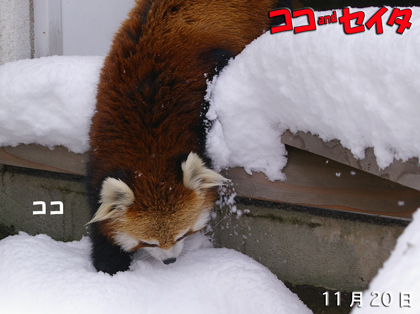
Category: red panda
<point>149,181</point>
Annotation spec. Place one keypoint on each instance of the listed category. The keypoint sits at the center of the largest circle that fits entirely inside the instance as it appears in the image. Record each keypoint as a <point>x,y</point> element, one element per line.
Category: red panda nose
<point>169,261</point>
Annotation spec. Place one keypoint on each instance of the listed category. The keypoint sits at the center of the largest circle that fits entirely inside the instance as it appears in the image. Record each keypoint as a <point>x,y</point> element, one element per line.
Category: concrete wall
<point>15,30</point>
<point>20,187</point>
<point>308,246</point>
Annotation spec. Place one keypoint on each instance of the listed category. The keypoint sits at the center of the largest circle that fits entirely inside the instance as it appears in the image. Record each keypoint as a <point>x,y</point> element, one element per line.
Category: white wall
<point>88,26</point>
<point>47,28</point>
<point>61,27</point>
<point>15,30</point>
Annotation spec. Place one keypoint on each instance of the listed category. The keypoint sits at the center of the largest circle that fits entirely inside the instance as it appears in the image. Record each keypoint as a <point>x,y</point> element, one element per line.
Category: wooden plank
<point>312,180</point>
<point>317,181</point>
<point>406,173</point>
<point>58,159</point>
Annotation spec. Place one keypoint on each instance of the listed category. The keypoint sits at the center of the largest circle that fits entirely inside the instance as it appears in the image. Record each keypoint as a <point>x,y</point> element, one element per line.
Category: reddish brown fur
<point>150,98</point>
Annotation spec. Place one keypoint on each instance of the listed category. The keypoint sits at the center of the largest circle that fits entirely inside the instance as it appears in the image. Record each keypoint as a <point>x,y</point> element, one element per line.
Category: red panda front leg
<point>106,256</point>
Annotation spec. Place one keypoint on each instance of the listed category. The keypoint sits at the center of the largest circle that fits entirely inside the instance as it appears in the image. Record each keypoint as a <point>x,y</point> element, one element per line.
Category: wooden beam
<point>58,159</point>
<point>312,180</point>
<point>406,173</point>
<point>317,181</point>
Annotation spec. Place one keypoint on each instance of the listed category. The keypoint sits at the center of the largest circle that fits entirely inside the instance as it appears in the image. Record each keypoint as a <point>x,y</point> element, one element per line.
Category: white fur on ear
<point>197,176</point>
<point>114,193</point>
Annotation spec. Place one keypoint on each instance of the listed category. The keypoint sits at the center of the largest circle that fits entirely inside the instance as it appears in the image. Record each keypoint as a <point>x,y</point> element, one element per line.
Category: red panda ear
<point>114,194</point>
<point>196,176</point>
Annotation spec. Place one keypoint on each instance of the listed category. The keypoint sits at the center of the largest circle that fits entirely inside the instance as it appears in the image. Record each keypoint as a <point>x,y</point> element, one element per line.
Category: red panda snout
<point>166,256</point>
<point>169,261</point>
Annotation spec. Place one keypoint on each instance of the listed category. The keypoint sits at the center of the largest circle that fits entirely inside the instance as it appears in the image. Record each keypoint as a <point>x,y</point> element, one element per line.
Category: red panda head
<point>160,222</point>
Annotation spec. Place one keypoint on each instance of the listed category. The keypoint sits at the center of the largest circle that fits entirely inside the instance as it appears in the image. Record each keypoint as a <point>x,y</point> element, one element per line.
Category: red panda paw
<point>107,257</point>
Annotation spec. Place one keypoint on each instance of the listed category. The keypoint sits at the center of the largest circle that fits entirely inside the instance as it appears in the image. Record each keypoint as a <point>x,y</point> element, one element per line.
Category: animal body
<point>149,182</point>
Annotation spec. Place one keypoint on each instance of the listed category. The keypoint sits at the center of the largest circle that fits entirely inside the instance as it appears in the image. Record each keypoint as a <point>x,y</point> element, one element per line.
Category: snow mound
<point>40,275</point>
<point>396,287</point>
<point>49,101</point>
<point>362,89</point>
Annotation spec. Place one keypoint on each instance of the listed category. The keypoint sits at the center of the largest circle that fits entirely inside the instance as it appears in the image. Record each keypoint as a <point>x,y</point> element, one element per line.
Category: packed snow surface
<point>396,287</point>
<point>41,276</point>
<point>362,89</point>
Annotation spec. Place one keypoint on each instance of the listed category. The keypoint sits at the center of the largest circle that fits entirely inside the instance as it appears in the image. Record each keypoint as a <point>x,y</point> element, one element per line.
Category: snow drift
<point>40,275</point>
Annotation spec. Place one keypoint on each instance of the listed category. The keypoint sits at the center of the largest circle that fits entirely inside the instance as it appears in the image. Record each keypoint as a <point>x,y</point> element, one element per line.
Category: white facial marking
<point>125,241</point>
<point>181,234</point>
<point>202,221</point>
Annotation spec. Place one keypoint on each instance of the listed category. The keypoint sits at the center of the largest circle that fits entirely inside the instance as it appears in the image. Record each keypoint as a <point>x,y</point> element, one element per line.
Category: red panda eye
<point>190,232</point>
<point>144,244</point>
